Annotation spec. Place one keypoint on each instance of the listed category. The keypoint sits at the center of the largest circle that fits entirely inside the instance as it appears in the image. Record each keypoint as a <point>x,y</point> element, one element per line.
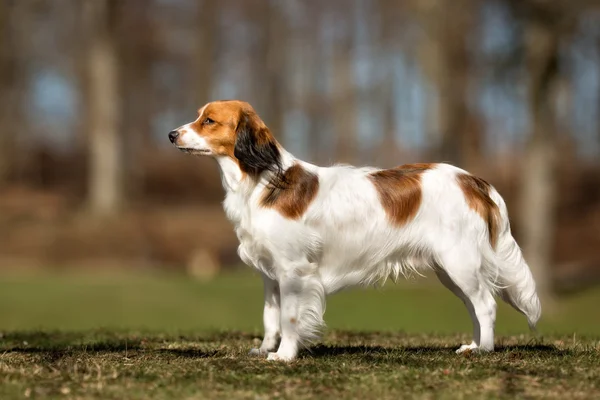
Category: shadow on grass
<point>189,353</point>
<point>328,351</point>
<point>56,345</point>
<point>97,347</point>
<point>56,352</point>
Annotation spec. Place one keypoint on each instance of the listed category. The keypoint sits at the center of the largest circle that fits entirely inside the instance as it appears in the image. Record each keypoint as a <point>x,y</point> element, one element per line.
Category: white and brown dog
<point>312,231</point>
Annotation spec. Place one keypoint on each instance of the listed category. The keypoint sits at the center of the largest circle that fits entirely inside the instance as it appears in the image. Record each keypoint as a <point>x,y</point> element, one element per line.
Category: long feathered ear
<point>255,148</point>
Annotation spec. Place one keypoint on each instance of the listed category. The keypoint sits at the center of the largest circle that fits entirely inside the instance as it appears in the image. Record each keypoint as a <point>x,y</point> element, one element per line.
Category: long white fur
<point>345,239</point>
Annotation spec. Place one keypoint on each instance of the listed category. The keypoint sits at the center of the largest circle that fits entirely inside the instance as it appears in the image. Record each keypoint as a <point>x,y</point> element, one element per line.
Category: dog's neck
<point>239,187</point>
<point>231,175</point>
<point>237,182</point>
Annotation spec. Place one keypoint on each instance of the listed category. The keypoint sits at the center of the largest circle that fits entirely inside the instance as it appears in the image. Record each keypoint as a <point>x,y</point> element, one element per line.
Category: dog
<point>313,231</point>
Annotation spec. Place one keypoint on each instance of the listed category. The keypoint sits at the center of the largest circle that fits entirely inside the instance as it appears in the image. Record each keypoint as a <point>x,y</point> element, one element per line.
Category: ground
<point>373,365</point>
<point>165,337</point>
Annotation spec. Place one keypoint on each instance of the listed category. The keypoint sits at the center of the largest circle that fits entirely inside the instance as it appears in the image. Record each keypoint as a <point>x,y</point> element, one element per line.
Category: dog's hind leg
<point>463,279</point>
<point>271,314</point>
<point>302,308</point>
<point>446,281</point>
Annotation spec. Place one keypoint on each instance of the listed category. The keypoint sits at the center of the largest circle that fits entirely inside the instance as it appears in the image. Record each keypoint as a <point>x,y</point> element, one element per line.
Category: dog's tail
<point>513,278</point>
<point>518,285</point>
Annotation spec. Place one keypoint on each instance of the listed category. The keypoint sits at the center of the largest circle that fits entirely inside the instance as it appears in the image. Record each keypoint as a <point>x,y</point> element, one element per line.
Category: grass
<point>164,337</point>
<point>108,365</point>
<point>177,304</point>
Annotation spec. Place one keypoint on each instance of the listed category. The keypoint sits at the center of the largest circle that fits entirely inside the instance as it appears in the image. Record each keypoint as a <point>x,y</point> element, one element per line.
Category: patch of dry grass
<point>133,365</point>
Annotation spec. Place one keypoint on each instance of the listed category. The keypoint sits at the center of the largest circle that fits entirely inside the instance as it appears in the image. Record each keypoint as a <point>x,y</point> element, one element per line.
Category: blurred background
<point>89,89</point>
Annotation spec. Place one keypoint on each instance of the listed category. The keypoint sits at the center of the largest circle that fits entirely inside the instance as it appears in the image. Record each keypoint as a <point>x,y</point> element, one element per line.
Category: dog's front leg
<point>271,314</point>
<point>302,307</point>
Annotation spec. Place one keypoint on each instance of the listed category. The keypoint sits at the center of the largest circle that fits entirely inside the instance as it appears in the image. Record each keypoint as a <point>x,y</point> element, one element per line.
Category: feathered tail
<point>514,280</point>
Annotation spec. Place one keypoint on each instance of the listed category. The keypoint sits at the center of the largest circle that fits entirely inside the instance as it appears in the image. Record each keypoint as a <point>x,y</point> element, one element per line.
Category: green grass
<point>173,304</point>
<point>109,365</point>
<point>164,337</point>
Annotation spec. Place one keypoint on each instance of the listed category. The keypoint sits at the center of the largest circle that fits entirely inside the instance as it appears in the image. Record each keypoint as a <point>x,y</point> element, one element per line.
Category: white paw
<point>278,357</point>
<point>467,347</point>
<point>258,352</point>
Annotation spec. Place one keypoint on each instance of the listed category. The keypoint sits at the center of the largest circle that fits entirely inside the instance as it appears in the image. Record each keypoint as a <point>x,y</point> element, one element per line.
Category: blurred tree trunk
<point>313,101</point>
<point>387,41</point>
<point>389,146</point>
<point>276,90</point>
<point>539,179</point>
<point>444,57</point>
<point>205,54</point>
<point>308,99</point>
<point>15,45</point>
<point>344,92</point>
<point>137,48</point>
<point>104,111</point>
<point>7,79</point>
<point>428,53</point>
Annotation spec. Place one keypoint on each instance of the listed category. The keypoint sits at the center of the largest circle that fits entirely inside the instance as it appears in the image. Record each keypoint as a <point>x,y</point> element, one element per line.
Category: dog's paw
<point>467,347</point>
<point>279,357</point>
<point>473,348</point>
<point>258,352</point>
<point>255,352</point>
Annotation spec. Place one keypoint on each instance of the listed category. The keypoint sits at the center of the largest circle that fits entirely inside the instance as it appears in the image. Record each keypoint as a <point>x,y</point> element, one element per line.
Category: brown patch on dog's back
<point>477,194</point>
<point>417,167</point>
<point>399,190</point>
<point>292,193</point>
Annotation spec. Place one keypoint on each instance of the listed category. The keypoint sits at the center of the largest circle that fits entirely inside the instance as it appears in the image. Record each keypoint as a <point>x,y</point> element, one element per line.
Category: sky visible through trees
<point>499,96</point>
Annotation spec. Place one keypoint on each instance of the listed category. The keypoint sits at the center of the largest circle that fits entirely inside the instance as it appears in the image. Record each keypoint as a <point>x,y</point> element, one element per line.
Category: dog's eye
<point>208,121</point>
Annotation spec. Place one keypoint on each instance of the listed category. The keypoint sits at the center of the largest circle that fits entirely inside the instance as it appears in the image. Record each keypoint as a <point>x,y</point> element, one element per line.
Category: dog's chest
<point>251,251</point>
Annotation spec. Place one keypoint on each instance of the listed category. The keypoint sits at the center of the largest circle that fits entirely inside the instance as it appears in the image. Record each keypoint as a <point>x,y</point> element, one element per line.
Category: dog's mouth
<point>198,152</point>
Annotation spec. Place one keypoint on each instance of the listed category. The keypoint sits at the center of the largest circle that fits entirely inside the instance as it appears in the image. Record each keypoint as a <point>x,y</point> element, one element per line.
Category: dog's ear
<point>255,148</point>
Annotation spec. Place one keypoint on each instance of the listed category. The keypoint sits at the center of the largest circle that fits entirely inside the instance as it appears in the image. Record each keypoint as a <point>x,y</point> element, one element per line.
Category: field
<point>162,336</point>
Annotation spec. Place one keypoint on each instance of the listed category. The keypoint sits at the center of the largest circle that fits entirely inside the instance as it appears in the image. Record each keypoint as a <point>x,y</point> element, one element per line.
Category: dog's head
<point>230,129</point>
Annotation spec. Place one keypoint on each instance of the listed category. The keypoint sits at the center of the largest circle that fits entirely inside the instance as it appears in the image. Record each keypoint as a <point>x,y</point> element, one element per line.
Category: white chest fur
<point>251,250</point>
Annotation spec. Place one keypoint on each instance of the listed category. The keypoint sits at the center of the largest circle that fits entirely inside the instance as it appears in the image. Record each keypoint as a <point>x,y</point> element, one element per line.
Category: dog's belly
<point>357,259</point>
<point>342,265</point>
<point>349,273</point>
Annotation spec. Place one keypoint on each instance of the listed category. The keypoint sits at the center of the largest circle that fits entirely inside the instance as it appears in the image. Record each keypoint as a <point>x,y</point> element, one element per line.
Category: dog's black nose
<point>173,135</point>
